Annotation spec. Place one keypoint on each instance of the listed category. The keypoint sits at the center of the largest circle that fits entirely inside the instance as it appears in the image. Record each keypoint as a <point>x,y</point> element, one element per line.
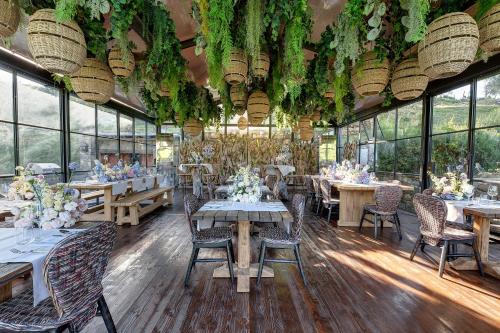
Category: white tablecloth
<point>456,209</point>
<point>267,206</point>
<point>36,256</point>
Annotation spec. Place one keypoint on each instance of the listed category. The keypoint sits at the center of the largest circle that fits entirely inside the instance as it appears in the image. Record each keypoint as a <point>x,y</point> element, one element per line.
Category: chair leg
<point>296,249</point>
<point>375,225</point>
<point>196,252</point>
<point>478,258</point>
<point>442,261</point>
<point>230,261</point>
<point>232,251</point>
<point>319,204</point>
<point>329,212</point>
<point>415,248</point>
<point>261,261</point>
<point>362,219</point>
<point>321,209</point>
<point>398,226</point>
<point>106,315</point>
<point>190,267</point>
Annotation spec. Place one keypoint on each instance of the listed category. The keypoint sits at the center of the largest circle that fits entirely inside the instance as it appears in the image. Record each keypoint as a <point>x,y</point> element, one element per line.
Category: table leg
<point>197,184</point>
<point>6,292</point>
<point>243,273</point>
<point>108,210</point>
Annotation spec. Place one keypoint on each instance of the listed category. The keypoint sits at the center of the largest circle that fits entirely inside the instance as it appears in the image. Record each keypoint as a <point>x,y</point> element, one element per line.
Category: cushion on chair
<point>373,209</point>
<point>19,314</point>
<point>276,235</point>
<point>213,235</point>
<point>458,225</point>
<point>457,234</point>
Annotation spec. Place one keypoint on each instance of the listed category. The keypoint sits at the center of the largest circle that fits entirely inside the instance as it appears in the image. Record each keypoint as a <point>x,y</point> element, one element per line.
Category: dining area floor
<point>355,284</point>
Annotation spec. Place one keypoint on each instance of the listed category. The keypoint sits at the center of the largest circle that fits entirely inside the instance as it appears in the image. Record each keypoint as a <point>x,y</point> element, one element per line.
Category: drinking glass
<point>483,199</point>
<point>24,236</point>
<point>492,191</point>
<point>469,192</point>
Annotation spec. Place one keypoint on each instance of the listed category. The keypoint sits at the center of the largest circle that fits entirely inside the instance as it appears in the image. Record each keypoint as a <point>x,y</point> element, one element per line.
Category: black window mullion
<point>65,142</point>
<point>472,127</point>
<point>15,119</point>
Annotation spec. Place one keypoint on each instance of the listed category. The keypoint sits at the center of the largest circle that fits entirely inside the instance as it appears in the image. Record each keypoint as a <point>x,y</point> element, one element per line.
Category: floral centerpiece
<point>349,172</point>
<point>120,171</point>
<point>245,187</point>
<point>452,185</point>
<point>20,188</point>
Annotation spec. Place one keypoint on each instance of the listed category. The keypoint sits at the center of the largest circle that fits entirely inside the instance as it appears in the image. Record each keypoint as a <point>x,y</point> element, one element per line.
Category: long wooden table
<point>104,211</point>
<point>245,269</point>
<point>481,217</point>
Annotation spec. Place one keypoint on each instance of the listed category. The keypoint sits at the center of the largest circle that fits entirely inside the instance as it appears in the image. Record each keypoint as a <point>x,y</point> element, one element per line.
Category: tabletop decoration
<point>245,187</point>
<point>120,171</point>
<point>349,172</point>
<point>452,185</point>
<point>20,188</point>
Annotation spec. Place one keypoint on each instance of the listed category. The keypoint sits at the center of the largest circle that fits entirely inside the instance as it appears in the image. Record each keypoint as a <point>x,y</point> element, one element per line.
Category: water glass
<point>492,191</point>
<point>483,200</point>
<point>24,236</point>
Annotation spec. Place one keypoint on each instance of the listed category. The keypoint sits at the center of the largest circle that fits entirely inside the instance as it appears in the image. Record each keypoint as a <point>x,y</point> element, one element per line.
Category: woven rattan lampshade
<point>242,123</point>
<point>237,69</point>
<point>257,107</point>
<point>118,66</point>
<point>260,66</point>
<point>9,18</point>
<point>306,131</point>
<point>408,81</point>
<point>240,111</point>
<point>371,75</point>
<point>57,47</point>
<point>316,116</point>
<point>329,93</point>
<point>193,127</point>
<point>177,118</point>
<point>93,82</point>
<point>449,45</point>
<point>489,30</point>
<point>238,94</point>
<point>164,92</point>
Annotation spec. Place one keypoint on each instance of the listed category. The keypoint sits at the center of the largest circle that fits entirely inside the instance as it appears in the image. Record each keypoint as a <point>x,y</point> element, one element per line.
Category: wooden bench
<point>92,195</point>
<point>129,208</point>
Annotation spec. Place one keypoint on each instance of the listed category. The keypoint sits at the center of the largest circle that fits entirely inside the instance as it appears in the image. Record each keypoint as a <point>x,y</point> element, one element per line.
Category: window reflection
<point>81,116</point>
<point>38,145</point>
<point>6,106</point>
<point>6,149</point>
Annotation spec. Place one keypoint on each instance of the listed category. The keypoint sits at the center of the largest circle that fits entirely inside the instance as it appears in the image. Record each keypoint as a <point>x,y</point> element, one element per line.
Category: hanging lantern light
<point>193,127</point>
<point>242,123</point>
<point>257,107</point>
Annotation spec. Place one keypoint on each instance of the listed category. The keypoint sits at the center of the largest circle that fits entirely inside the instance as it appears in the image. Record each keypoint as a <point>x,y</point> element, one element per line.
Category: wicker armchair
<point>278,238</point>
<point>328,201</point>
<point>73,272</point>
<point>214,237</point>
<point>387,199</point>
<point>431,212</point>
<point>317,190</point>
<point>310,193</point>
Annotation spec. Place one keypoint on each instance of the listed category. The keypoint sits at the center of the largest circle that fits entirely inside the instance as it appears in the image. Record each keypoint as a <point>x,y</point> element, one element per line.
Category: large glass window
<point>327,148</point>
<point>39,145</point>
<point>107,125</point>
<point>6,105</point>
<point>7,158</point>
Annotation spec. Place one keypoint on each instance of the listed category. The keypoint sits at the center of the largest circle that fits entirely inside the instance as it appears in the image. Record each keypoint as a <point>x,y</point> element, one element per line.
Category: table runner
<point>456,208</point>
<point>49,238</point>
<point>265,206</point>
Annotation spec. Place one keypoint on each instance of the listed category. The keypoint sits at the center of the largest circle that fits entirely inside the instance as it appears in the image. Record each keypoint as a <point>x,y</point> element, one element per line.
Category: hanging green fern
<point>415,20</point>
<point>254,28</point>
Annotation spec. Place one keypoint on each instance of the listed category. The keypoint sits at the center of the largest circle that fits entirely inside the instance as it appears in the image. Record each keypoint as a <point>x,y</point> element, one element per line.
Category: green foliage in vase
<point>254,28</point>
<point>414,21</point>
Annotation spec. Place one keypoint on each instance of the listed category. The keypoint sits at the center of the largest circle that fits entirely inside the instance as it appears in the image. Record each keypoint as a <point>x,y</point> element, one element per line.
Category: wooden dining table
<point>245,269</point>
<point>481,221</point>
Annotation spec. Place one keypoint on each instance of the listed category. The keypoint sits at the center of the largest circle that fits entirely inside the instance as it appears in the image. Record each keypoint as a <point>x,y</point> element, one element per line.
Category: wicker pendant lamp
<point>93,82</point>
<point>257,107</point>
<point>489,30</point>
<point>306,131</point>
<point>57,47</point>
<point>237,70</point>
<point>164,92</point>
<point>9,18</point>
<point>449,45</point>
<point>408,81</point>
<point>193,127</point>
<point>329,93</point>
<point>118,66</point>
<point>316,116</point>
<point>260,66</point>
<point>238,94</point>
<point>242,123</point>
<point>371,75</point>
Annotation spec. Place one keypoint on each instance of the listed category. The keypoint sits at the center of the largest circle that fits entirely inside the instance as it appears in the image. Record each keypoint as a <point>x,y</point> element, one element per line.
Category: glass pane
<point>353,132</point>
<point>450,110</point>
<point>7,149</point>
<point>409,155</point>
<point>342,136</point>
<point>106,123</point>
<point>126,151</point>
<point>486,158</point>
<point>327,148</point>
<point>488,102</point>
<point>81,116</point>
<point>235,130</point>
<point>38,145</point>
<point>386,125</point>
<point>140,130</point>
<point>385,156</point>
<point>366,130</point>
<point>151,130</point>
<point>38,104</point>
<point>151,155</point>
<point>410,120</point>
<point>281,133</point>
<point>213,132</point>
<point>6,105</point>
<point>448,150</point>
<point>258,132</point>
<point>126,128</point>
<point>140,153</point>
<point>367,155</point>
<point>407,200</point>
<point>82,151</point>
<point>109,148</point>
<point>234,119</point>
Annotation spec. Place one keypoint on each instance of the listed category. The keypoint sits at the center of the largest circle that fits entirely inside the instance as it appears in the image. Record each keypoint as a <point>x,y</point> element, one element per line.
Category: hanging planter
<point>242,123</point>
<point>329,93</point>
<point>449,45</point>
<point>257,107</point>
<point>238,94</point>
<point>260,66</point>
<point>316,116</point>
<point>408,81</point>
<point>9,18</point>
<point>306,131</point>
<point>93,82</point>
<point>57,47</point>
<point>237,69</point>
<point>177,118</point>
<point>193,127</point>
<point>371,75</point>
<point>489,30</point>
<point>164,92</point>
<point>240,111</point>
<point>118,66</point>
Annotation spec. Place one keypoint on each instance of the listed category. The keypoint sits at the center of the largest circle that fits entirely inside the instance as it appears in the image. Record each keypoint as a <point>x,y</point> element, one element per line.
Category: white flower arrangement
<point>452,185</point>
<point>349,172</point>
<point>20,188</point>
<point>245,187</point>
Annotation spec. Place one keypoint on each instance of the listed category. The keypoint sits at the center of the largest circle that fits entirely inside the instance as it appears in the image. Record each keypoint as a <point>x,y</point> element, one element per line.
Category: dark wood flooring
<point>356,284</point>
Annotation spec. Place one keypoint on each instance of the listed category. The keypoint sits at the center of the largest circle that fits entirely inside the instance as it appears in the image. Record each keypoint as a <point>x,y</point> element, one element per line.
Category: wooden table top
<point>488,212</point>
<point>238,215</point>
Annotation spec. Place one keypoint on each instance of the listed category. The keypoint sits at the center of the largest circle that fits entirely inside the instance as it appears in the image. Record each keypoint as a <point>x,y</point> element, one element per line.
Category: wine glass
<point>492,191</point>
<point>469,191</point>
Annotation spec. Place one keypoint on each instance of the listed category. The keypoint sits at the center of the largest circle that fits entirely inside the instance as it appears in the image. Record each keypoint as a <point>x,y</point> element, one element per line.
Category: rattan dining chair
<point>317,190</point>
<point>328,201</point>
<point>210,238</point>
<point>310,193</point>
<point>431,212</point>
<point>387,199</point>
<point>278,238</point>
<point>73,271</point>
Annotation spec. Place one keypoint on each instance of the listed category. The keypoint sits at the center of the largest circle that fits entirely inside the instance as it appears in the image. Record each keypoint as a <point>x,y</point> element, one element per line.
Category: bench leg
<point>120,215</point>
<point>170,199</point>
<point>134,215</point>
